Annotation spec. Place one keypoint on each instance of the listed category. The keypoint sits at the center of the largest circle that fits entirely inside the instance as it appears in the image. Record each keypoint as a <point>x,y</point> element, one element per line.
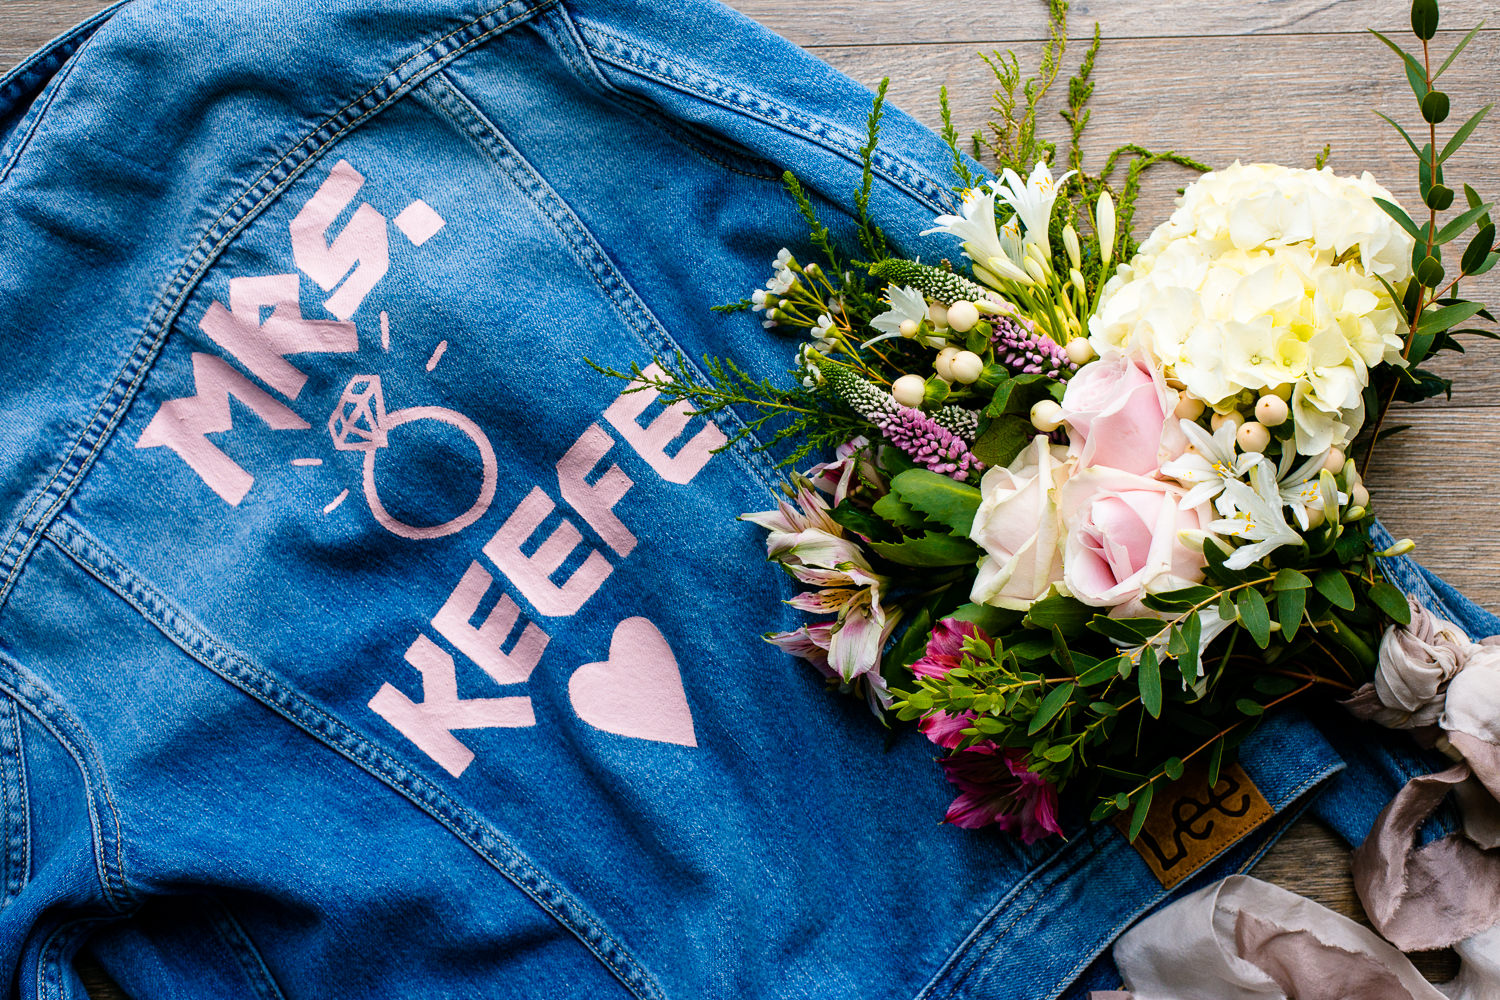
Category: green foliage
<point>1433,311</point>
<point>940,499</point>
<point>795,416</point>
<point>1011,136</point>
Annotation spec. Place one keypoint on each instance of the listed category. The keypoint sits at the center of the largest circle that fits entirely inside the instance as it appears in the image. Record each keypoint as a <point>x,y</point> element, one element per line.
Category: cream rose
<point>1123,538</point>
<point>1018,526</point>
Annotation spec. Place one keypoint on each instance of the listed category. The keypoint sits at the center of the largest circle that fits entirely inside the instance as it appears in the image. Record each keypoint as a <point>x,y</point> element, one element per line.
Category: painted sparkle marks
<point>419,222</point>
<point>437,355</point>
<point>307,461</point>
<point>334,505</point>
<point>385,330</point>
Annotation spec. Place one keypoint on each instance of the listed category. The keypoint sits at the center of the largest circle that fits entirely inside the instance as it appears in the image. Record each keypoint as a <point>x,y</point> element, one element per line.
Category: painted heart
<point>637,692</point>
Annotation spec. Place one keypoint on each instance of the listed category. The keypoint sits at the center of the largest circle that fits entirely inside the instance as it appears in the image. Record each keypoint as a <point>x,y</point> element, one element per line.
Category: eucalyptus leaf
<point>1479,248</point>
<point>1457,49</point>
<point>1445,317</point>
<point>1142,810</point>
<point>1391,601</point>
<point>1424,18</point>
<point>1459,223</point>
<point>1150,682</point>
<point>1255,616</point>
<point>1463,132</point>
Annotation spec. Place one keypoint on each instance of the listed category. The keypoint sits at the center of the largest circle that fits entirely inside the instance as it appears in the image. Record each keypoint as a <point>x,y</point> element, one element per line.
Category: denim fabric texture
<point>356,639</point>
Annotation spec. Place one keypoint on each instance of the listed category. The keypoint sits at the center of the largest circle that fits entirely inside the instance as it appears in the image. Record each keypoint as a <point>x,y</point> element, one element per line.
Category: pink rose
<point>1116,410</point>
<point>1123,538</point>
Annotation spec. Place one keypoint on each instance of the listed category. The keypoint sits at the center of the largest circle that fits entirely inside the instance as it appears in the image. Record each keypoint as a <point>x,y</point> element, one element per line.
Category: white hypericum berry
<point>1271,411</point>
<point>908,390</point>
<point>908,328</point>
<point>1334,463</point>
<point>943,363</point>
<point>1080,351</point>
<point>1047,416</point>
<point>1359,496</point>
<point>938,314</point>
<point>1188,407</point>
<point>1253,437</point>
<point>967,367</point>
<point>962,316</point>
<point>1220,419</point>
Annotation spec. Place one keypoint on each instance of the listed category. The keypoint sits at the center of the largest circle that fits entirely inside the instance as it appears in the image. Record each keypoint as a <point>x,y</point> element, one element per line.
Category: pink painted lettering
<point>482,644</point>
<point>184,424</point>
<point>430,723</point>
<point>262,347</point>
<point>595,503</point>
<point>532,574</point>
<point>364,244</point>
<point>651,441</point>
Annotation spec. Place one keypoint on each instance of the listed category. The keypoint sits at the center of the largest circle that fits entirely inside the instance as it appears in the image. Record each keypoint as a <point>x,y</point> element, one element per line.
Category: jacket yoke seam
<point>630,58</point>
<point>446,98</point>
<point>244,210</point>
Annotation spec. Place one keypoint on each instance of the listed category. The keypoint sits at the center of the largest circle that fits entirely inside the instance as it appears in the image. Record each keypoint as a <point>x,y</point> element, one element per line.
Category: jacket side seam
<point>36,116</point>
<point>629,58</point>
<point>52,958</point>
<point>17,820</point>
<point>250,960</point>
<point>29,692</point>
<point>445,98</point>
<point>73,467</point>
<point>493,847</point>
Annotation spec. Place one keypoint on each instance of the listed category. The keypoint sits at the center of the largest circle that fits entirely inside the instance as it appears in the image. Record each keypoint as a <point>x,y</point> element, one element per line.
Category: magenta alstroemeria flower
<point>995,786</point>
<point>945,647</point>
<point>944,729</point>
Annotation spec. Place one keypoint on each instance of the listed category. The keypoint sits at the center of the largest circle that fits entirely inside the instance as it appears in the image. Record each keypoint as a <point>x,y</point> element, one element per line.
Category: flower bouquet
<point>1095,508</point>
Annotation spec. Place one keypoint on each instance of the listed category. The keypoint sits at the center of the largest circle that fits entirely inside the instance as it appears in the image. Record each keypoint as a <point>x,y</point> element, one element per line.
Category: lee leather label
<point>1193,824</point>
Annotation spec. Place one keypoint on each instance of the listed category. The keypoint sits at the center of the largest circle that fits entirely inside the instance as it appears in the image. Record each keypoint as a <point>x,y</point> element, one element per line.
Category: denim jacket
<point>357,639</point>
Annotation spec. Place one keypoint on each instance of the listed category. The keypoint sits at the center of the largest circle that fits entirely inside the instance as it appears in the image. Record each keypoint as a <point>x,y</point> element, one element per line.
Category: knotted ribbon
<point>1244,939</point>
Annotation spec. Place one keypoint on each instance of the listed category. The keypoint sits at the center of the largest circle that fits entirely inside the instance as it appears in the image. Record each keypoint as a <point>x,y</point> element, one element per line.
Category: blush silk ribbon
<point>1244,939</point>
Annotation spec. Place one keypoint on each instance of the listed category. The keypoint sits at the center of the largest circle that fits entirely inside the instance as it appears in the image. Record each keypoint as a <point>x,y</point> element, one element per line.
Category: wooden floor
<point>1255,80</point>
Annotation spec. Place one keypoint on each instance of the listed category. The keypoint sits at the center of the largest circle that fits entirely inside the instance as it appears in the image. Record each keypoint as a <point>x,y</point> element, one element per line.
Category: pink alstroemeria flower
<point>995,786</point>
<point>853,465</point>
<point>814,548</point>
<point>810,642</point>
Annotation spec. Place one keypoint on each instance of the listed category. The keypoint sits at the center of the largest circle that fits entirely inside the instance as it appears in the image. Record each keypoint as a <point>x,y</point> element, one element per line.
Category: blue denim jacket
<point>357,640</point>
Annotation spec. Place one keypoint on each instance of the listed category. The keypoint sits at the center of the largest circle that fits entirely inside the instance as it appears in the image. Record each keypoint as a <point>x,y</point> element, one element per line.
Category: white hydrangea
<point>1263,277</point>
